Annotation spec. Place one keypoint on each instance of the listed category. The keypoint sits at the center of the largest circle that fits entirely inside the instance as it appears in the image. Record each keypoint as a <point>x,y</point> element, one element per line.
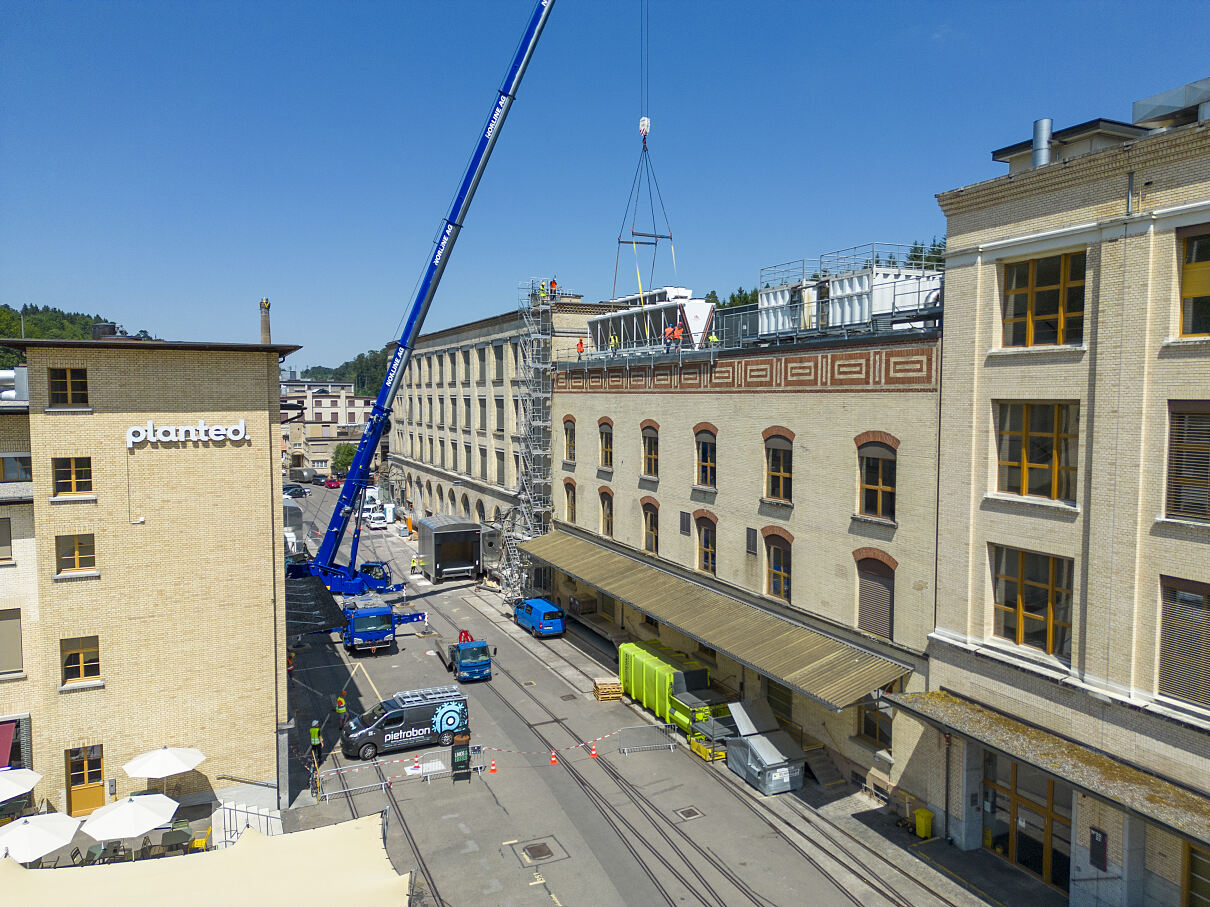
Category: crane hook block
<point>644,126</point>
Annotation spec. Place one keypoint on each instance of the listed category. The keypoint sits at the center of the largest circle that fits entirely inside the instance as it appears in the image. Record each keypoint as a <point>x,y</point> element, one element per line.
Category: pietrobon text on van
<point>408,719</point>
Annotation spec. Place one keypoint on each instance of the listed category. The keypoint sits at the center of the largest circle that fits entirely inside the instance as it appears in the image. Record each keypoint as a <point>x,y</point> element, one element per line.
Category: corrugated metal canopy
<point>830,671</point>
<point>1095,773</point>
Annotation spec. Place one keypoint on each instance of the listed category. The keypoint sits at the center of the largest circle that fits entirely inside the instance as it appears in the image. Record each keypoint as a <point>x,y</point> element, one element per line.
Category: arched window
<point>453,502</point>
<point>876,462</point>
<point>707,543</point>
<point>569,439</point>
<point>705,439</point>
<point>876,596</point>
<point>479,513</point>
<point>651,451</point>
<point>466,506</point>
<point>438,500</point>
<point>569,492</point>
<point>496,515</point>
<point>606,435</point>
<point>651,528</point>
<point>777,562</point>
<point>779,468</point>
<point>607,513</point>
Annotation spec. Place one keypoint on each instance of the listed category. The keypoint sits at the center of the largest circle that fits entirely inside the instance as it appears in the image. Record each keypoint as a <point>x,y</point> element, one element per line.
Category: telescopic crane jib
<point>347,578</point>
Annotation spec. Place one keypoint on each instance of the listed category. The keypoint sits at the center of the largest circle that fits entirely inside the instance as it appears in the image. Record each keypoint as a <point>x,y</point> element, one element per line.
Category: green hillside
<point>44,322</point>
<point>366,371</point>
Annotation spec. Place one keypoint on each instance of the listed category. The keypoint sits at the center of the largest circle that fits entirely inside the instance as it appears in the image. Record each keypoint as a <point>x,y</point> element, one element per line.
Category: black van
<point>408,719</point>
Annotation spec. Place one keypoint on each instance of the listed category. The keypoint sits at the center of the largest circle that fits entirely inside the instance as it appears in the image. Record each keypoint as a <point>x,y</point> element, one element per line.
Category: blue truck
<point>468,658</point>
<point>369,622</point>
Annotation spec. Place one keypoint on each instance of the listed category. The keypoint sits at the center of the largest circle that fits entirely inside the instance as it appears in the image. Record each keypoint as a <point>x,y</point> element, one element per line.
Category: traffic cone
<point>593,754</point>
<point>416,764</point>
<point>553,759</point>
<point>492,770</point>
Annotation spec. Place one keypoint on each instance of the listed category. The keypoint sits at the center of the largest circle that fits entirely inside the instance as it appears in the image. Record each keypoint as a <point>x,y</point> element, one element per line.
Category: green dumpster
<point>924,823</point>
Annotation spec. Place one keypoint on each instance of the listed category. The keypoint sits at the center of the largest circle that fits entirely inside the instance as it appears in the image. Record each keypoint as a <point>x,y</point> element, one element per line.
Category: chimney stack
<point>1041,146</point>
<point>264,321</point>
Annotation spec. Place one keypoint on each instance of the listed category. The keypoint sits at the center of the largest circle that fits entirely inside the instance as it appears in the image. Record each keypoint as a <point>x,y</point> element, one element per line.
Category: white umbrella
<point>16,782</point>
<point>131,817</point>
<point>35,836</point>
<point>168,760</point>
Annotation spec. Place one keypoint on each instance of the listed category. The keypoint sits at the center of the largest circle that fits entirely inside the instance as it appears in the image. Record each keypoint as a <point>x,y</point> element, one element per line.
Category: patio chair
<point>201,841</point>
<point>181,825</point>
<point>77,858</point>
<point>146,849</point>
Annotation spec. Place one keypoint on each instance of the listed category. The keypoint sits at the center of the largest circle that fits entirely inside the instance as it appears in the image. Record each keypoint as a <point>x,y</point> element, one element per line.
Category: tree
<point>366,371</point>
<point>739,297</point>
<point>712,297</point>
<point>342,457</point>
<point>930,256</point>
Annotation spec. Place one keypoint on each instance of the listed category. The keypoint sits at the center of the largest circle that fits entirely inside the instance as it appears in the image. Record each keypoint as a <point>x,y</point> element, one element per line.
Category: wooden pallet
<point>606,689</point>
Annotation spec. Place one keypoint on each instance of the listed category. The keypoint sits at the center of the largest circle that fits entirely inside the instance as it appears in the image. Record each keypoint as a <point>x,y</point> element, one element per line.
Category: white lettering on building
<point>151,434</point>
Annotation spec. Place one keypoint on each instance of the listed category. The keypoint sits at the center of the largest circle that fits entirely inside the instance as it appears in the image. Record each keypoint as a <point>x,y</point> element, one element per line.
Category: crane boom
<point>347,578</point>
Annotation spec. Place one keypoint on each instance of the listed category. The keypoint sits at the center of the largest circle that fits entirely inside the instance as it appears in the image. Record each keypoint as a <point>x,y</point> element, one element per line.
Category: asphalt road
<point>651,827</point>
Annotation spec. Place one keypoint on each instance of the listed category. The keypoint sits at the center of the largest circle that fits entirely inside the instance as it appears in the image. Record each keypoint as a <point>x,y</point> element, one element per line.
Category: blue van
<point>540,617</point>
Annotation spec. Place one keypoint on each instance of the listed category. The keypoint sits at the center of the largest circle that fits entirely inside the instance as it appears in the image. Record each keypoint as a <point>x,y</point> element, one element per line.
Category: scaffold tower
<point>531,516</point>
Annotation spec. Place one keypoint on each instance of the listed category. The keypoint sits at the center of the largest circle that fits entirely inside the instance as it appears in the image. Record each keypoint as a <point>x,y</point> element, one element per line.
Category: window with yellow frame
<point>71,475</point>
<point>651,529</point>
<point>779,463</point>
<point>80,658</point>
<point>68,386</point>
<point>606,432</point>
<point>606,514</point>
<point>1033,599</point>
<point>707,546</point>
<point>777,551</point>
<point>75,552</point>
<point>1037,449</point>
<point>651,452</point>
<point>569,441</point>
<point>1196,887</point>
<point>1195,287</point>
<point>570,491</point>
<point>1044,301</point>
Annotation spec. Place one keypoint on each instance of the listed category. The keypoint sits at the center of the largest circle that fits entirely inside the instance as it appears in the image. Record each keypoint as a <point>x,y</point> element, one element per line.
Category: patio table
<point>177,838</point>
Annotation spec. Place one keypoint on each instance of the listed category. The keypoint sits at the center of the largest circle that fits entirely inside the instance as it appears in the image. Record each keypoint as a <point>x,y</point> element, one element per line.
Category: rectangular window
<point>706,460</point>
<point>569,441</point>
<point>875,597</point>
<point>570,491</point>
<point>429,411</point>
<point>651,453</point>
<point>501,474</point>
<point>1044,301</point>
<point>498,352</point>
<point>16,468</point>
<point>80,658</point>
<point>1032,595</point>
<point>441,453</point>
<point>778,569</point>
<point>482,356</point>
<point>10,642</point>
<point>1189,460</point>
<point>483,426</point>
<point>483,462</point>
<point>68,386</point>
<point>686,522</point>
<point>466,412</point>
<point>453,456</point>
<point>651,530</point>
<point>466,459</point>
<point>72,475</point>
<point>607,515</point>
<point>876,464</point>
<point>1195,287</point>
<point>1037,445</point>
<point>606,447</point>
<point>780,473</point>
<point>466,366</point>
<point>440,411</point>
<point>750,545</point>
<point>6,539</point>
<point>874,718</point>
<point>780,698</point>
<point>1185,641</point>
<point>501,425</point>
<point>75,552</point>
<point>1196,888</point>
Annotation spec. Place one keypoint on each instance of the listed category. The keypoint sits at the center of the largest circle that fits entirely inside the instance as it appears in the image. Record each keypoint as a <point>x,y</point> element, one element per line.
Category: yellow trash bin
<point>924,823</point>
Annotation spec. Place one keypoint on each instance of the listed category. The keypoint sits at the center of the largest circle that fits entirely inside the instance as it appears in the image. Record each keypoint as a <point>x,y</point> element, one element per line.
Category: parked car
<point>377,520</point>
<point>318,479</point>
<point>295,491</point>
<point>332,482</point>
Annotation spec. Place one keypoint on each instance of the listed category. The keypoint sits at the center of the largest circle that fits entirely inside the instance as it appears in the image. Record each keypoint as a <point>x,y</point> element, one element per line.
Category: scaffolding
<point>531,515</point>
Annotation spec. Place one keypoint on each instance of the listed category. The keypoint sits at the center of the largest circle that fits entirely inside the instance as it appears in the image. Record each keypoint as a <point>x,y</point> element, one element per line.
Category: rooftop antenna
<point>644,178</point>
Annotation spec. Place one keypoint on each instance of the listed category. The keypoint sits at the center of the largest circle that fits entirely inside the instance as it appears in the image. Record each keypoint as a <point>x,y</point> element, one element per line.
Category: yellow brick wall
<point>14,432</point>
<point>1164,854</point>
<point>189,606</point>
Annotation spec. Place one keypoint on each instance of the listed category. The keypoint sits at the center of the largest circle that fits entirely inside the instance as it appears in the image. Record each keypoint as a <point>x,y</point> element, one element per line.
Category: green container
<point>697,705</point>
<point>651,673</point>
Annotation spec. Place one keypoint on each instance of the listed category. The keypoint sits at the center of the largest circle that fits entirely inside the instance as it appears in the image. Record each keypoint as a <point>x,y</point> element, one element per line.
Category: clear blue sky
<point>168,163</point>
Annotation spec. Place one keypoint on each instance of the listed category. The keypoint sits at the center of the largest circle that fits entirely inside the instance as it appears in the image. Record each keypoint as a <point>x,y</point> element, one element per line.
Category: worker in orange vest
<point>580,348</point>
<point>667,337</point>
<point>554,286</point>
<point>678,334</point>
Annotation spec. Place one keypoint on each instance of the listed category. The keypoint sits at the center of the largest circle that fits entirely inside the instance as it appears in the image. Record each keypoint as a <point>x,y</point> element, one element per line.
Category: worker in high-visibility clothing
<point>580,348</point>
<point>317,743</point>
<point>342,709</point>
<point>415,567</point>
<point>667,337</point>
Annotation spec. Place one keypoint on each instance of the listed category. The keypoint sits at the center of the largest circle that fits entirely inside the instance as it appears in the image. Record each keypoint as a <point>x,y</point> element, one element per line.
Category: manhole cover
<point>569,697</point>
<point>689,812</point>
<point>539,852</point>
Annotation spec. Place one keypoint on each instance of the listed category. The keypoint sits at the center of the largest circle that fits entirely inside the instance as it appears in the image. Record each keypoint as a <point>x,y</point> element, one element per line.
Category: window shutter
<point>1189,465</point>
<point>1185,643</point>
<point>685,524</point>
<point>752,541</point>
<point>875,601</point>
<point>10,641</point>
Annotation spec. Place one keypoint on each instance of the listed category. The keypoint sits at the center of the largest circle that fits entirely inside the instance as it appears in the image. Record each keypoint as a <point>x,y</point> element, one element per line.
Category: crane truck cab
<point>468,658</point>
<point>370,622</point>
<point>408,719</point>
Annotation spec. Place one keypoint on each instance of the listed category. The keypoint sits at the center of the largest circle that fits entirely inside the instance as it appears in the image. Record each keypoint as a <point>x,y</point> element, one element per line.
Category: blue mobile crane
<point>346,578</point>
